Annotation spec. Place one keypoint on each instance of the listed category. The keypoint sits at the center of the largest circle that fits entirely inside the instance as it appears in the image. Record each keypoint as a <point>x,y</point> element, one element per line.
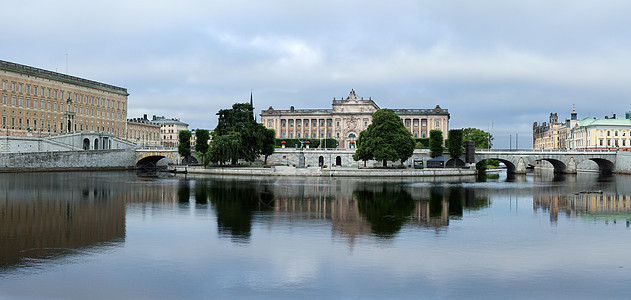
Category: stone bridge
<point>149,157</point>
<point>517,161</point>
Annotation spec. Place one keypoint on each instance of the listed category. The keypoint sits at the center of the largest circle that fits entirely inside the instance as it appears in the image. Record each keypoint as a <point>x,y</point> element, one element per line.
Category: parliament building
<point>346,119</point>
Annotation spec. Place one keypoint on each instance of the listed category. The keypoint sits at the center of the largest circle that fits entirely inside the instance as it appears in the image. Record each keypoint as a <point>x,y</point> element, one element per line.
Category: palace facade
<point>587,134</point>
<point>169,130</point>
<point>40,102</point>
<point>346,119</point>
<point>143,132</point>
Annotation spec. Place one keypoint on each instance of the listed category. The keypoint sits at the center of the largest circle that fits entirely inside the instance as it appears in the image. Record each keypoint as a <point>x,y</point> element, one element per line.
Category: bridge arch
<point>510,166</point>
<point>149,161</point>
<point>559,166</point>
<point>604,166</point>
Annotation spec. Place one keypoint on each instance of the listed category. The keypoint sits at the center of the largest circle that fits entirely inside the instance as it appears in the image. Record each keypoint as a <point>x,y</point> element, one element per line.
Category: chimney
<point>614,116</point>
<point>145,116</point>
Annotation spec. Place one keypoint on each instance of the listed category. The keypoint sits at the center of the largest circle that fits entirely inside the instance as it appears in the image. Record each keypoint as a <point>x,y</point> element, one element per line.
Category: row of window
<point>47,105</point>
<point>54,93</point>
<point>48,125</point>
<point>270,124</point>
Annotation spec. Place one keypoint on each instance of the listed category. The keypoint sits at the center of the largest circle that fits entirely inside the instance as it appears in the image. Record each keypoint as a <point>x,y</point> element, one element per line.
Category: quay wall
<point>327,172</point>
<point>623,162</point>
<point>68,160</point>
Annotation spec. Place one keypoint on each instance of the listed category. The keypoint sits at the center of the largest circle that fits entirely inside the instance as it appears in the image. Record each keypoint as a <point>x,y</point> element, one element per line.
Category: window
<point>407,123</point>
<point>28,89</point>
<point>48,92</point>
<point>321,123</point>
<point>4,99</point>
<point>4,87</point>
<point>12,100</point>
<point>28,102</point>
<point>35,90</point>
<point>298,134</point>
<point>20,91</point>
<point>415,122</point>
<point>338,135</point>
<point>437,123</point>
<point>20,101</point>
<point>423,122</point>
<point>337,123</point>
<point>366,124</point>
<point>13,86</point>
<point>330,123</point>
<point>314,124</point>
<point>283,123</point>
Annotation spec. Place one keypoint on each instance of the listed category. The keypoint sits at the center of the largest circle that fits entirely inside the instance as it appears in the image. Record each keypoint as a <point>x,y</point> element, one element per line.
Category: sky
<point>495,65</point>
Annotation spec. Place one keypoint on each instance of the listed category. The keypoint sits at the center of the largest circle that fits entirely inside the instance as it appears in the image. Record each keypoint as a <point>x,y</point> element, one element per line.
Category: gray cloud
<point>489,62</point>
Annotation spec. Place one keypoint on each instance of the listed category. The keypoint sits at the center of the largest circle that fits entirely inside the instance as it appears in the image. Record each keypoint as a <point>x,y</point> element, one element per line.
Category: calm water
<point>115,235</point>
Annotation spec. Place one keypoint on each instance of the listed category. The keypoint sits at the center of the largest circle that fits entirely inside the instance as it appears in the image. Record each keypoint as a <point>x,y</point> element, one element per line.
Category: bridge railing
<point>560,151</point>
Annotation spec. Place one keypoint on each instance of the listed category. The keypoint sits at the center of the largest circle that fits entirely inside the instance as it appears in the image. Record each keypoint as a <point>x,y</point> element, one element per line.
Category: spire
<point>252,105</point>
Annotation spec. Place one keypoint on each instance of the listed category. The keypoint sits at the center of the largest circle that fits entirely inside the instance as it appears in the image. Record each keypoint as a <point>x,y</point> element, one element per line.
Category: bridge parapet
<point>565,161</point>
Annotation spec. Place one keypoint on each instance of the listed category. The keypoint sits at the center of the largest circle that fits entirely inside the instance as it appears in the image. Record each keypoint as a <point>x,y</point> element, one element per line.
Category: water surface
<point>108,235</point>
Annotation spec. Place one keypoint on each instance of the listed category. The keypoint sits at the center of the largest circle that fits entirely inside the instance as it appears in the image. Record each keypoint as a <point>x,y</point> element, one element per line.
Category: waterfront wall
<point>289,157</point>
<point>68,160</point>
<point>327,172</point>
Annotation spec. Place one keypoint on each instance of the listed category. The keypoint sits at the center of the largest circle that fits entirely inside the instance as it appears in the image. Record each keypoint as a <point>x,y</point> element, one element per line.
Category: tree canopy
<point>385,139</point>
<point>184,147</point>
<point>201,142</point>
<point>455,143</point>
<point>482,139</point>
<point>435,143</point>
<point>244,137</point>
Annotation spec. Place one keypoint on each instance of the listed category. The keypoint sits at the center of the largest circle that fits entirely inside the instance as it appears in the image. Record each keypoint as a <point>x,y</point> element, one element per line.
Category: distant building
<point>589,133</point>
<point>39,102</point>
<point>143,132</point>
<point>169,130</point>
<point>346,119</point>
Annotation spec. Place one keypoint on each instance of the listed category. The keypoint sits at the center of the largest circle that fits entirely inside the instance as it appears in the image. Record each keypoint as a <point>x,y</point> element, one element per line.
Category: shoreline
<point>326,172</point>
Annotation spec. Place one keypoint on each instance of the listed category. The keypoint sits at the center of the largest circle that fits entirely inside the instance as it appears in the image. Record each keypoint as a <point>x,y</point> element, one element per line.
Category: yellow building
<point>346,119</point>
<point>587,134</point>
<point>143,132</point>
<point>609,133</point>
<point>41,102</point>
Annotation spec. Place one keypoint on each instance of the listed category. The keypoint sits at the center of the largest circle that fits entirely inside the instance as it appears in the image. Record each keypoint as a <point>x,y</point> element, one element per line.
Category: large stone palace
<point>346,119</point>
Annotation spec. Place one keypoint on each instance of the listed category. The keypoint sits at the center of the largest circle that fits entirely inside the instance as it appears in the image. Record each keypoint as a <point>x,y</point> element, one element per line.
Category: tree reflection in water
<point>235,203</point>
<point>386,209</point>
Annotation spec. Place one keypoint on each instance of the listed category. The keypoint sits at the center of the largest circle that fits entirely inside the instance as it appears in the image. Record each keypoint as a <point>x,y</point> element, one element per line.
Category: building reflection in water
<point>42,216</point>
<point>601,198</point>
<point>50,215</point>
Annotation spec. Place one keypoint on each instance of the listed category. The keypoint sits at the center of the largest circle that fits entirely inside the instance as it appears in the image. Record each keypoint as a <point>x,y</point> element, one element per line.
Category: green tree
<point>224,148</point>
<point>435,143</point>
<point>184,148</point>
<point>385,139</point>
<point>201,142</point>
<point>482,139</point>
<point>454,143</point>
<point>269,140</point>
<point>240,119</point>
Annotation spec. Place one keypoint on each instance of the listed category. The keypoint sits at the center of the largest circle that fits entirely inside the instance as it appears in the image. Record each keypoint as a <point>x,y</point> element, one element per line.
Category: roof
<point>604,122</point>
<point>9,66</point>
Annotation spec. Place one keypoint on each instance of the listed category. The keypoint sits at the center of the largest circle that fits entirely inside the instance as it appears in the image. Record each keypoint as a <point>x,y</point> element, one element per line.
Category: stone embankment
<point>326,172</point>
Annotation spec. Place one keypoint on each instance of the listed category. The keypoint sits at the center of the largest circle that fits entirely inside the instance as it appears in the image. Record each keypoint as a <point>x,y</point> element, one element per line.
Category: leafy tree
<point>224,148</point>
<point>201,145</point>
<point>454,143</point>
<point>269,138</point>
<point>385,139</point>
<point>435,143</point>
<point>482,139</point>
<point>240,119</point>
<point>184,148</point>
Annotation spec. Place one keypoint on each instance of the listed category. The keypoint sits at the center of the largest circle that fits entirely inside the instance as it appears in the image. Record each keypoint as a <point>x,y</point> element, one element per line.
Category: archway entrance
<point>321,161</point>
<point>338,161</point>
<point>86,144</point>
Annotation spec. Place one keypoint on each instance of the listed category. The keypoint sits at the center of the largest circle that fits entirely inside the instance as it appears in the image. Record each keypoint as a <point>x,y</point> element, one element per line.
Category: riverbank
<point>327,172</point>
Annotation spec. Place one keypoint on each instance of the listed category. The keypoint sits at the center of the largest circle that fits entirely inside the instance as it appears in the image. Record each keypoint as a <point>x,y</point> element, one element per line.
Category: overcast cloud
<point>499,64</point>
